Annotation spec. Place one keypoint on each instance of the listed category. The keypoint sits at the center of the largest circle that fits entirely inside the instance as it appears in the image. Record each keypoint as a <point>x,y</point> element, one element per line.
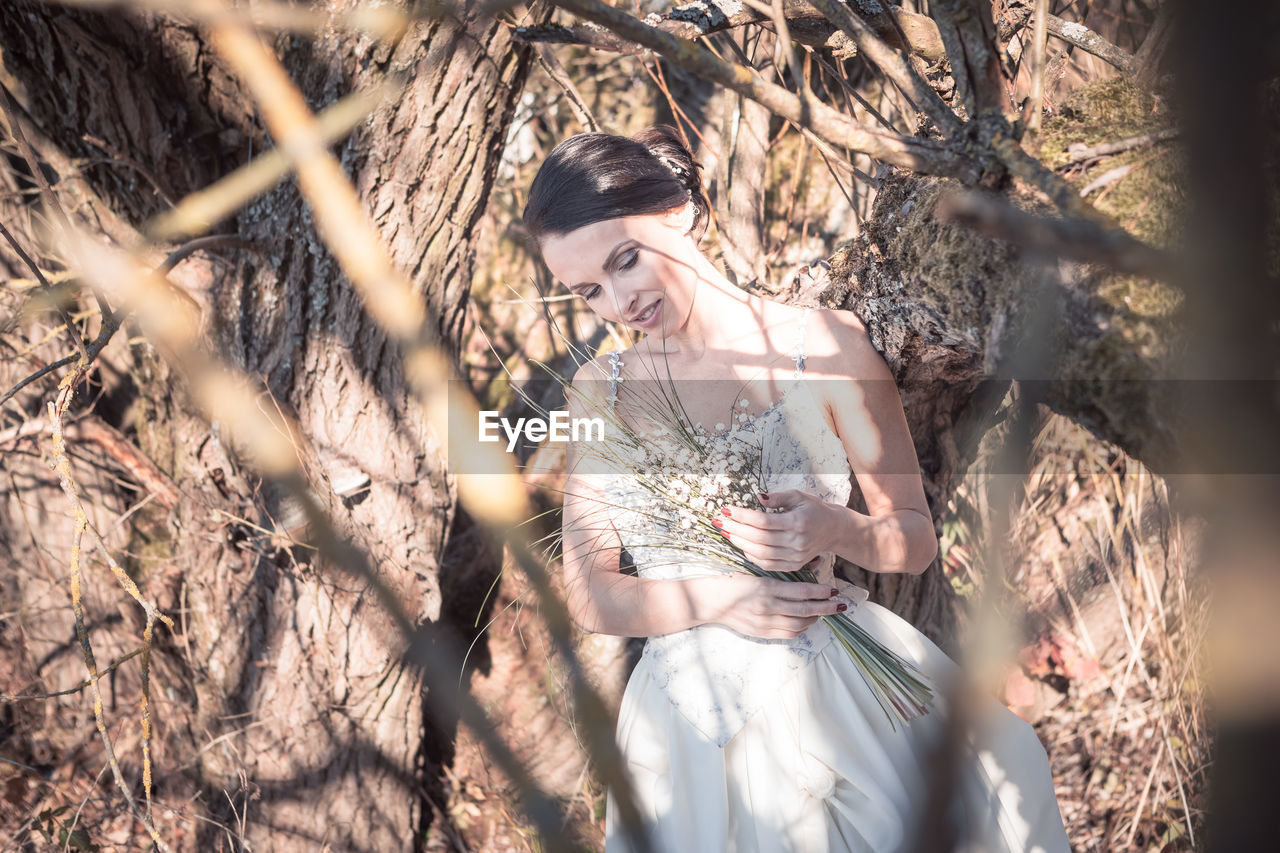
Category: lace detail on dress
<point>714,676</point>
<point>615,363</point>
<point>798,352</point>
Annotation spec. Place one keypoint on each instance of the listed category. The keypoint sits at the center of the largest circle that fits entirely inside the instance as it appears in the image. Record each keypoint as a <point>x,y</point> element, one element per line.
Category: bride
<point>744,726</point>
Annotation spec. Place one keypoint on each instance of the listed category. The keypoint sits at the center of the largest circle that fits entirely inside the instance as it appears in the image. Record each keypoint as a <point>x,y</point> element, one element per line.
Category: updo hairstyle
<point>591,177</point>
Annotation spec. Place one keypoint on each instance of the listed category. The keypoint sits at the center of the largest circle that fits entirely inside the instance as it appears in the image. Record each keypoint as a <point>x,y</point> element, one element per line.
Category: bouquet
<point>685,473</point>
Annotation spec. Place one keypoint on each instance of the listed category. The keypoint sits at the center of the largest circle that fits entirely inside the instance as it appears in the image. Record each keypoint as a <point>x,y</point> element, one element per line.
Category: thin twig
<point>893,65</point>
<point>68,322</point>
<point>130,162</point>
<point>62,466</point>
<point>211,241</point>
<point>44,371</point>
<point>1079,155</point>
<point>23,697</point>
<point>82,633</point>
<point>46,191</point>
<point>555,71</point>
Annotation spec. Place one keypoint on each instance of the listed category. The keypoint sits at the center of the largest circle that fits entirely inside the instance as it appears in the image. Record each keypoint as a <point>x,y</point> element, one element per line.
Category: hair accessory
<point>679,171</point>
<point>675,167</point>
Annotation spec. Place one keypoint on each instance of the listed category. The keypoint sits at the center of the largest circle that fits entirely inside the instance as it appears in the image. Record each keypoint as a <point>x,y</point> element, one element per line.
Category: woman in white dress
<point>744,726</point>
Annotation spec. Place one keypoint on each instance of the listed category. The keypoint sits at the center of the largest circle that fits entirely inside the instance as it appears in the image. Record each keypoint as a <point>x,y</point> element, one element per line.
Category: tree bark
<point>286,673</point>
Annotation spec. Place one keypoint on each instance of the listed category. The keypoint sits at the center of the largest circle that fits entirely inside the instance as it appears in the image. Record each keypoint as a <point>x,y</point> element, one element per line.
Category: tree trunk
<point>283,674</point>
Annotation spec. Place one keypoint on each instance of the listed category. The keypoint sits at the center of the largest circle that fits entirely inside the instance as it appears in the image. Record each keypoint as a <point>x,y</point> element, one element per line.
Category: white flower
<point>719,426</point>
<point>742,402</point>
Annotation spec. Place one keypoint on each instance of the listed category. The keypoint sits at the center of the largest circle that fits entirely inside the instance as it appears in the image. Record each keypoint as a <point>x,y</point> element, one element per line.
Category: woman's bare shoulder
<point>837,341</point>
<point>592,370</point>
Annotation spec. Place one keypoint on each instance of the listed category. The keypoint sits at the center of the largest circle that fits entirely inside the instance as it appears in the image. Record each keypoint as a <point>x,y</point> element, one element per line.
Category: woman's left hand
<point>784,541</point>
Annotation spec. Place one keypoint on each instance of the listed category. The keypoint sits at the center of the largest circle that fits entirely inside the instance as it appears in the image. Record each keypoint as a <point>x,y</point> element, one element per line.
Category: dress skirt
<point>820,768</point>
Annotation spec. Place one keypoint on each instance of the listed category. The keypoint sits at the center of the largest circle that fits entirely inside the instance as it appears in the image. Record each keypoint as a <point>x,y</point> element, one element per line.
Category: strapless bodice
<point>715,676</point>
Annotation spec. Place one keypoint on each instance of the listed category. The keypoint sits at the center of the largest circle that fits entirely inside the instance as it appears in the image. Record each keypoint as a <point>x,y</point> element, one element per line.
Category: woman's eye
<point>631,262</point>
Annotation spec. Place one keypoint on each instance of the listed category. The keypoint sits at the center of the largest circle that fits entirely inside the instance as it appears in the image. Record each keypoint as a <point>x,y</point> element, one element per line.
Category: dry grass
<point>1104,574</point>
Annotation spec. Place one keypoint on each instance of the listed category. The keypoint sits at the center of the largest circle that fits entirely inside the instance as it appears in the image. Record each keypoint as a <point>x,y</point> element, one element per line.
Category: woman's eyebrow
<point>608,260</point>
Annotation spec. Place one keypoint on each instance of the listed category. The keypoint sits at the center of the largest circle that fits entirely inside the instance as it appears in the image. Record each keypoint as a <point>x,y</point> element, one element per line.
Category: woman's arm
<point>601,599</point>
<point>897,534</point>
<point>902,540</point>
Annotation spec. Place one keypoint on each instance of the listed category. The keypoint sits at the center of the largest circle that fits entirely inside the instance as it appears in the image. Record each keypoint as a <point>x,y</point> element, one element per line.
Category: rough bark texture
<point>284,671</point>
<point>952,311</point>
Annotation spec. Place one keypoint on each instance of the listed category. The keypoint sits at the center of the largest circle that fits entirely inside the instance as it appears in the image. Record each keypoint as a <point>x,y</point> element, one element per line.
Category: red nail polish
<point>834,592</point>
<point>717,522</point>
<point>841,607</point>
<point>724,534</point>
<point>764,496</point>
<point>725,511</point>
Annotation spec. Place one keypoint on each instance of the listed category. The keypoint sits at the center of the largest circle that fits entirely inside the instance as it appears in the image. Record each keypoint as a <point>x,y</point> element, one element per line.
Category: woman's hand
<point>784,541</point>
<point>764,607</point>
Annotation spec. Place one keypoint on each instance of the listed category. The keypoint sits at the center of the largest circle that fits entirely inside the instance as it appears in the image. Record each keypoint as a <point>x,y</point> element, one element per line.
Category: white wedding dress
<point>736,743</point>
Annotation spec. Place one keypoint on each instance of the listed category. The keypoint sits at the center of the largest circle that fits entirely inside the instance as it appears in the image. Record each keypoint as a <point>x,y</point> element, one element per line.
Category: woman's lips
<point>649,317</point>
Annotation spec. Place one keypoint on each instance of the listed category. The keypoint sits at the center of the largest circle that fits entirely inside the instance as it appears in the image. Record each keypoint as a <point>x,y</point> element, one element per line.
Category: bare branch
<point>919,155</point>
<point>1031,115</point>
<point>969,33</point>
<point>1090,42</point>
<point>555,70</point>
<point>212,241</point>
<point>893,65</point>
<point>42,372</point>
<point>904,30</point>
<point>26,697</point>
<point>1077,239</point>
<point>1082,153</point>
<point>93,429</point>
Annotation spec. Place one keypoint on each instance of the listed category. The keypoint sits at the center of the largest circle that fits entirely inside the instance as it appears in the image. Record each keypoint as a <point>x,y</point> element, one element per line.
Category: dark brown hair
<point>592,177</point>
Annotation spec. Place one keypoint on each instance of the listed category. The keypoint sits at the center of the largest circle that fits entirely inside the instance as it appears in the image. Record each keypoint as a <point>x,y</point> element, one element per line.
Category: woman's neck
<point>723,317</point>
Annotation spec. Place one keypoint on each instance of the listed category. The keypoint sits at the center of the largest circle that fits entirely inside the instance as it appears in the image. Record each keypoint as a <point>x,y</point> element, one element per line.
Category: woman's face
<point>635,270</point>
